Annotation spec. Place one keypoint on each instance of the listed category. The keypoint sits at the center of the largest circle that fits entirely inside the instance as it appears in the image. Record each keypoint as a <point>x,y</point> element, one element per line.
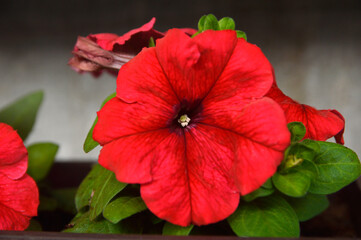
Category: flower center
<point>184,120</point>
<point>186,115</point>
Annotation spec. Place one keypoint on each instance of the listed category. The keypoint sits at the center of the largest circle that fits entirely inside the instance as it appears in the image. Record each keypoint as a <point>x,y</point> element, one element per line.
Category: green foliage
<point>270,216</point>
<point>41,158</point>
<point>241,34</point>
<point>151,42</point>
<point>97,189</point>
<point>308,206</point>
<point>123,207</point>
<point>296,181</point>
<point>210,22</point>
<point>226,23</point>
<point>298,131</point>
<point>265,190</point>
<point>21,114</point>
<point>171,229</point>
<point>89,143</point>
<point>82,223</point>
<point>337,166</point>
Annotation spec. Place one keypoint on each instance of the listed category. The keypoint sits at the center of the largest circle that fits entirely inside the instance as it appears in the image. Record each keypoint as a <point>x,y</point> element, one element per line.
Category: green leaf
<point>89,143</point>
<point>21,114</point>
<point>241,34</point>
<point>123,207</point>
<point>209,22</point>
<point>296,181</point>
<point>265,190</point>
<point>171,229</point>
<point>201,23</point>
<point>226,23</point>
<point>41,158</point>
<point>83,195</point>
<point>151,42</point>
<point>105,187</point>
<point>270,216</point>
<point>83,224</point>
<point>338,166</point>
<point>90,191</point>
<point>298,131</point>
<point>308,206</point>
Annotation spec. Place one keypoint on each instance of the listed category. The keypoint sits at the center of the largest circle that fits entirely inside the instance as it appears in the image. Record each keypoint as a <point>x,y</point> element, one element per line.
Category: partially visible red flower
<point>109,51</point>
<point>19,196</point>
<point>13,154</point>
<point>190,123</point>
<point>320,124</point>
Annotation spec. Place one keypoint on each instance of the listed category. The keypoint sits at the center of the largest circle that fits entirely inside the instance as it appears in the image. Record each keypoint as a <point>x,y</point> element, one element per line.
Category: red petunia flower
<point>320,124</point>
<point>109,51</point>
<point>19,196</point>
<point>13,154</point>
<point>190,123</point>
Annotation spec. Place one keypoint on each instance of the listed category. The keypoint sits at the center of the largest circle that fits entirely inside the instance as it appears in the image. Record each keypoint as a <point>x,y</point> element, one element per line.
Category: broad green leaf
<point>83,224</point>
<point>210,22</point>
<point>265,190</point>
<point>83,195</point>
<point>171,229</point>
<point>338,166</point>
<point>298,131</point>
<point>90,187</point>
<point>89,143</point>
<point>270,216</point>
<point>21,114</point>
<point>105,187</point>
<point>226,23</point>
<point>241,34</point>
<point>41,158</point>
<point>308,206</point>
<point>123,207</point>
<point>296,181</point>
<point>201,23</point>
<point>294,184</point>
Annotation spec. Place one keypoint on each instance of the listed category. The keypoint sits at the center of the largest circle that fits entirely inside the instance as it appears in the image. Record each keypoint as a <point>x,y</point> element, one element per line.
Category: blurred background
<point>314,47</point>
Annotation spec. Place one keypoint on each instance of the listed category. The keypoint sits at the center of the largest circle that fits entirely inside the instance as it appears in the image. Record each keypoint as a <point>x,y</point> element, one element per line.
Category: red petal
<point>191,181</point>
<point>131,42</point>
<point>19,200</point>
<point>248,74</point>
<point>13,154</point>
<point>118,119</point>
<point>131,157</point>
<point>143,80</point>
<point>192,65</point>
<point>320,124</point>
<point>261,136</point>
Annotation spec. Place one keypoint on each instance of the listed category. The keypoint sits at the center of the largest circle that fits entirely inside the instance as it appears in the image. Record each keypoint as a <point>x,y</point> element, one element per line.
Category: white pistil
<point>184,120</point>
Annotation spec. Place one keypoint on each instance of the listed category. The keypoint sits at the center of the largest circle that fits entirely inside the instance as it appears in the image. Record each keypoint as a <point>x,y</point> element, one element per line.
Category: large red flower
<point>19,196</point>
<point>190,123</point>
<point>320,124</point>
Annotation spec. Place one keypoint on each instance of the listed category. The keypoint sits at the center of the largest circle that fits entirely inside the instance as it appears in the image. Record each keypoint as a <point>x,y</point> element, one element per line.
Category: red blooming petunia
<point>320,124</point>
<point>19,196</point>
<point>110,51</point>
<point>13,154</point>
<point>190,123</point>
